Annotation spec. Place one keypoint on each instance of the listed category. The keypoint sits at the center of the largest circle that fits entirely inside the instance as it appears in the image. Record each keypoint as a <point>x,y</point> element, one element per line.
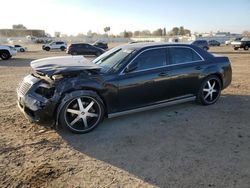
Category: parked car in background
<point>101,45</point>
<point>244,43</point>
<point>20,48</point>
<point>213,43</point>
<point>57,45</point>
<point>76,93</point>
<point>84,49</point>
<point>6,52</point>
<point>228,42</point>
<point>203,44</point>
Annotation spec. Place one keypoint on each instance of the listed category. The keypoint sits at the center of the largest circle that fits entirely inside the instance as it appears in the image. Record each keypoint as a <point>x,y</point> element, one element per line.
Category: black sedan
<point>84,49</point>
<point>213,43</point>
<point>78,94</point>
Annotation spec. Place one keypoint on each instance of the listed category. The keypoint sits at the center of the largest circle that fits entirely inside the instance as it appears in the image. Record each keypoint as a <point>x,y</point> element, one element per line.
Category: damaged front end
<point>39,93</point>
<point>36,99</point>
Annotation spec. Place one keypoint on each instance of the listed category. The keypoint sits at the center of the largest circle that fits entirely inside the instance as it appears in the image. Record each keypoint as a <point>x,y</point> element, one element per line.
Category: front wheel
<point>246,48</point>
<point>209,91</point>
<point>82,113</point>
<point>47,48</point>
<point>236,48</point>
<point>22,50</point>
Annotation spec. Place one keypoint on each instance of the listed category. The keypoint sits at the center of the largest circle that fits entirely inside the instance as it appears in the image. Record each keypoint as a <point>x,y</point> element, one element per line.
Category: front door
<point>144,84</point>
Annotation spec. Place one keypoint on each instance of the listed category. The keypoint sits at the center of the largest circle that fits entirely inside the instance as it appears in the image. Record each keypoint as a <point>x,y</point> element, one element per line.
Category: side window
<point>183,55</point>
<point>150,59</point>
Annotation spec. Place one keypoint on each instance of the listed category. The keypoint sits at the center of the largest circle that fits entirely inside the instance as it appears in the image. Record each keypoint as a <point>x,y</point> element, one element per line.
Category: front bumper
<point>36,108</point>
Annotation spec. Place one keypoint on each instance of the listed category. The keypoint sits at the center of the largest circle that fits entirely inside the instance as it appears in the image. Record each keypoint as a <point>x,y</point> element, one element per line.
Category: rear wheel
<point>82,113</point>
<point>209,91</point>
<point>62,48</point>
<point>205,48</point>
<point>4,55</point>
<point>98,54</point>
<point>22,50</point>
<point>236,48</point>
<point>246,48</point>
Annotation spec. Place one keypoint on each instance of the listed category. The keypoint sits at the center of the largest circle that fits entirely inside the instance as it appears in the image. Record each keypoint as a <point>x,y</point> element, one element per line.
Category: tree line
<point>158,32</point>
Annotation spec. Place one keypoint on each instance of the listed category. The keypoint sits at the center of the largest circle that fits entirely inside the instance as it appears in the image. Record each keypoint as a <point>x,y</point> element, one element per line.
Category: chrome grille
<point>23,87</point>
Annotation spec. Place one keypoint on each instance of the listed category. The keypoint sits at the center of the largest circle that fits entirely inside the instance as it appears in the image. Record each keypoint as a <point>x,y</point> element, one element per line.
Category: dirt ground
<point>187,145</point>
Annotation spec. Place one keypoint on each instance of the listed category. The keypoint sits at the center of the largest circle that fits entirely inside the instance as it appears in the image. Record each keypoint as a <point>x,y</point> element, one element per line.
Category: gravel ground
<point>187,145</point>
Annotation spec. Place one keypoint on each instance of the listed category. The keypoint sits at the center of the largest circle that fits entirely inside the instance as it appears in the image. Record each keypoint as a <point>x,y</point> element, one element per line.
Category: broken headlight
<point>45,90</point>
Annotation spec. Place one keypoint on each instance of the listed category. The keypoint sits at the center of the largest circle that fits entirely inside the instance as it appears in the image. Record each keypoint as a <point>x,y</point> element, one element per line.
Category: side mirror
<point>131,67</point>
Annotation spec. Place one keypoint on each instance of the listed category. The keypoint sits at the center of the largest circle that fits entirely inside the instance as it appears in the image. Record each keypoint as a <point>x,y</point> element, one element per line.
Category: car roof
<point>78,43</point>
<point>143,45</point>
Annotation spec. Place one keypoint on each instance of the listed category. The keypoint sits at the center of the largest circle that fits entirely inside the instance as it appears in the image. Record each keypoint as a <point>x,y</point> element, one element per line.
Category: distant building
<point>21,32</point>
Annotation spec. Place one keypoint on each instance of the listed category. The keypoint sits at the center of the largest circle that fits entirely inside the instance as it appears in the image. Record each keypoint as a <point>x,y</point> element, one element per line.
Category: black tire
<point>62,48</point>
<point>236,48</point>
<point>98,54</point>
<point>246,47</point>
<point>22,50</point>
<point>210,90</point>
<point>47,48</point>
<point>5,55</point>
<point>205,48</point>
<point>82,112</point>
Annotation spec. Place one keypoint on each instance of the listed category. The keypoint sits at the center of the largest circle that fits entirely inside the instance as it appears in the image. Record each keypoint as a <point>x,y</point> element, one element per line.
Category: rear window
<point>182,55</point>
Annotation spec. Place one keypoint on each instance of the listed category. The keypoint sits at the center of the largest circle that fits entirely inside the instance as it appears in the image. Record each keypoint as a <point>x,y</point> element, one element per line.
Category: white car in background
<point>20,48</point>
<point>6,52</point>
<point>60,45</point>
<point>228,42</point>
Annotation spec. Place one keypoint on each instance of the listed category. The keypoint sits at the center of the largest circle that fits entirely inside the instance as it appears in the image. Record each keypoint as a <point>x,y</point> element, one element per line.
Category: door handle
<point>163,74</point>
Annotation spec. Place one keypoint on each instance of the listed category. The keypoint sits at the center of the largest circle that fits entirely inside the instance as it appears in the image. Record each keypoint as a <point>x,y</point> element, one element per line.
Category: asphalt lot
<point>186,145</point>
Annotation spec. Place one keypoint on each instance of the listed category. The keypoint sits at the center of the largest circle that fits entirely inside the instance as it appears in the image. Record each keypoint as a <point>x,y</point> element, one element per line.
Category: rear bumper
<point>227,77</point>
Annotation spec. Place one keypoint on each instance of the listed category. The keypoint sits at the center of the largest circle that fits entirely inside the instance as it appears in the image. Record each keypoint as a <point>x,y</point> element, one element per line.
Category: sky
<point>79,16</point>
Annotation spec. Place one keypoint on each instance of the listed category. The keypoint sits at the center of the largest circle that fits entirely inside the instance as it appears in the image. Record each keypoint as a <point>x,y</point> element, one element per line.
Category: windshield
<point>112,58</point>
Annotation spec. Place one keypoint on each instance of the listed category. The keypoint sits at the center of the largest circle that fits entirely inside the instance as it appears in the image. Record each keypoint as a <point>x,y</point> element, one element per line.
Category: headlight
<point>45,90</point>
<point>57,77</point>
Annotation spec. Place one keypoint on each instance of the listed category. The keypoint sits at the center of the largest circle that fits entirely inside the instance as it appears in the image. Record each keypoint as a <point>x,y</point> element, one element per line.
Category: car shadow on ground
<point>16,62</point>
<point>174,146</point>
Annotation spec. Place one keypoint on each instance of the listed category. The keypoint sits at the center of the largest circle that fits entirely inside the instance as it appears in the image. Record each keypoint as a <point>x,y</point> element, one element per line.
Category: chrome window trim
<point>164,47</point>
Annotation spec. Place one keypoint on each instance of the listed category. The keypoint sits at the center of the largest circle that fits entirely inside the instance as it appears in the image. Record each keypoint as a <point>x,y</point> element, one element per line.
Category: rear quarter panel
<point>220,66</point>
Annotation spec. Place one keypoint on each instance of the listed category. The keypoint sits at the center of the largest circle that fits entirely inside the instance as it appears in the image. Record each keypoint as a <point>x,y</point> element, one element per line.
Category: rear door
<point>186,67</point>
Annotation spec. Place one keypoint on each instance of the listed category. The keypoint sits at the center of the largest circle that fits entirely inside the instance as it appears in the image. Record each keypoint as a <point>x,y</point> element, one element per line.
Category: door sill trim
<point>154,106</point>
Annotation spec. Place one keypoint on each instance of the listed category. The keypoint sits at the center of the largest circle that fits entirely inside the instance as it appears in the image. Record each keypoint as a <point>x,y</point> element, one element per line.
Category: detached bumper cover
<point>35,110</point>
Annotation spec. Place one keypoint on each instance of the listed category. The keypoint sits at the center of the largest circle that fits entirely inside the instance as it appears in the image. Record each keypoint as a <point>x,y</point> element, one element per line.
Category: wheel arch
<point>69,94</point>
<point>216,71</point>
<point>4,50</point>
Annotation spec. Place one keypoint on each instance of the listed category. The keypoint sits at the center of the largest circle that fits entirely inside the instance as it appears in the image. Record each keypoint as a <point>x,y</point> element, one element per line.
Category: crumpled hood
<point>63,64</point>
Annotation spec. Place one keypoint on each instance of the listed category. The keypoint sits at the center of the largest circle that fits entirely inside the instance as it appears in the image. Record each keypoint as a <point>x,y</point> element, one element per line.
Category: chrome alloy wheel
<point>211,90</point>
<point>82,114</point>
